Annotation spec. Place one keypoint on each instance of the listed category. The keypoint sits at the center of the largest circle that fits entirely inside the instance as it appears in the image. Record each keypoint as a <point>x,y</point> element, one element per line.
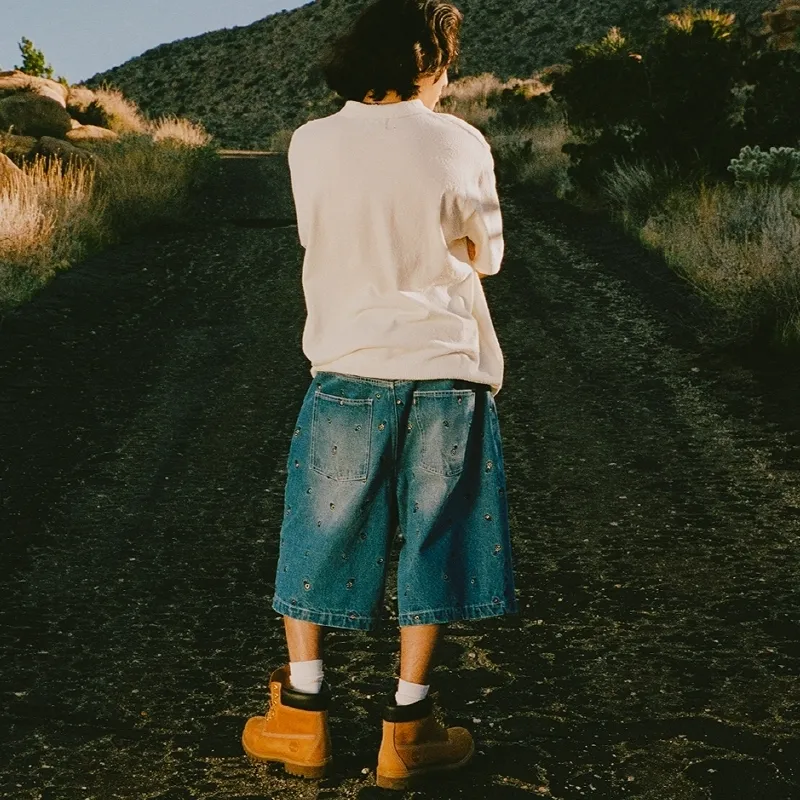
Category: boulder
<point>16,80</point>
<point>90,133</point>
<point>18,148</point>
<point>28,114</point>
<point>66,152</point>
<point>75,124</point>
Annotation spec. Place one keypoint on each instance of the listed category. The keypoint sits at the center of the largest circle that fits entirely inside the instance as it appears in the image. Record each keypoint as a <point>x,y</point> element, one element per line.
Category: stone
<point>30,114</point>
<point>90,133</point>
<point>16,80</point>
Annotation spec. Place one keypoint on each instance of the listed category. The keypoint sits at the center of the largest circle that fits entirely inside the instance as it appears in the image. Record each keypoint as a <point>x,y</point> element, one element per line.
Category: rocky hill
<point>244,84</point>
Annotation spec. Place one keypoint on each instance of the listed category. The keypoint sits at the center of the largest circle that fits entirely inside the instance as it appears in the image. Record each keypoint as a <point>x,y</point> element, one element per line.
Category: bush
<point>670,99</point>
<point>93,114</point>
<point>31,114</point>
<point>177,129</point>
<point>771,110</point>
<point>63,212</point>
<point>639,190</point>
<point>122,115</point>
<point>780,166</point>
<point>741,250</point>
<point>33,60</point>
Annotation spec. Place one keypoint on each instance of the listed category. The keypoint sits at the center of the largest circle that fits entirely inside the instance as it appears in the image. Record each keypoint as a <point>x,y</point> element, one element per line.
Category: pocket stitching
<point>443,393</point>
<point>367,404</point>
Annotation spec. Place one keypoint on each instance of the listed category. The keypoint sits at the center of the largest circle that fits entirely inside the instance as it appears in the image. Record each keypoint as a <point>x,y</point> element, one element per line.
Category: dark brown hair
<point>391,45</point>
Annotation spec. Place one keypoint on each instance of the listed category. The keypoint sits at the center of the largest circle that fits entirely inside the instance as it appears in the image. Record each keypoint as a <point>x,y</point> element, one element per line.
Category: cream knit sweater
<point>385,196</point>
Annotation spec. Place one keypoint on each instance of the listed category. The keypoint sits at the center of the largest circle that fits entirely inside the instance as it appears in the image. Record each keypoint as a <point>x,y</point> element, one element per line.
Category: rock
<point>18,148</point>
<point>75,124</point>
<point>66,152</point>
<point>29,114</point>
<point>90,133</point>
<point>14,81</point>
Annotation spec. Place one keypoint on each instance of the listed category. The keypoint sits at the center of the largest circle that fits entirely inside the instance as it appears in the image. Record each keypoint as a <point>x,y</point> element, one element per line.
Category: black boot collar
<point>306,702</point>
<point>410,713</point>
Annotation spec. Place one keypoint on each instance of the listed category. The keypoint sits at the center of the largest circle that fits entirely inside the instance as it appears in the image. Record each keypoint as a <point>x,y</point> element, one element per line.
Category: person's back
<point>397,210</point>
<point>386,197</point>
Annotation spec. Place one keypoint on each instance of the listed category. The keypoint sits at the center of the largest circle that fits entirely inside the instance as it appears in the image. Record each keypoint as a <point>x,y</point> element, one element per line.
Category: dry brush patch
<point>740,248</point>
<point>52,215</point>
<point>529,152</point>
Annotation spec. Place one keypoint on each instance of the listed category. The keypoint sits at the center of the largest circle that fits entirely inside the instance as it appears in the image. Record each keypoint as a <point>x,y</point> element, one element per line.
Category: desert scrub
<point>52,217</point>
<point>178,130</point>
<point>49,219</point>
<point>146,181</point>
<point>635,192</point>
<point>739,246</point>
<point>524,126</point>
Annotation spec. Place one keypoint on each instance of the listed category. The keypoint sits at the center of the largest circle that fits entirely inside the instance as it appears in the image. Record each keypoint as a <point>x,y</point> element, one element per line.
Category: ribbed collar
<point>352,108</point>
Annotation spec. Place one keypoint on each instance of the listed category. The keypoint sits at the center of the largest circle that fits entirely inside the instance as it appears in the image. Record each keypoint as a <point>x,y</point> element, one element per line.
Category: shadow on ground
<point>147,400</point>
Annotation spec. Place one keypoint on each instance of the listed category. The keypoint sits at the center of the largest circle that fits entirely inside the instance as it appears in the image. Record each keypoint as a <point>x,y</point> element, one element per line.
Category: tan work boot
<point>415,745</point>
<point>294,732</point>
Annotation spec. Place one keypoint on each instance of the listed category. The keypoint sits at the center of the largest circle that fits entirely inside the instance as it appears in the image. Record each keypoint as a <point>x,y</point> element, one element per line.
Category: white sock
<point>306,676</point>
<point>408,693</point>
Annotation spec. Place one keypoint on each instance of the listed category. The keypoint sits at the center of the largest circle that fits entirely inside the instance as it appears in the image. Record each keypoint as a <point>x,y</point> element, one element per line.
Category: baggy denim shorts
<point>369,456</point>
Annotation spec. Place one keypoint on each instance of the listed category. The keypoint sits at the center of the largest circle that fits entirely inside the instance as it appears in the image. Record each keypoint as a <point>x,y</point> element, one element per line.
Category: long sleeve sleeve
<point>485,225</point>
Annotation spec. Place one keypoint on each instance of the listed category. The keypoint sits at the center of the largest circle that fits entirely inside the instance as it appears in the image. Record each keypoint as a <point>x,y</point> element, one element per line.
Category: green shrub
<point>636,191</point>
<point>93,114</point>
<point>671,98</point>
<point>33,60</point>
<point>779,166</point>
<point>771,111</point>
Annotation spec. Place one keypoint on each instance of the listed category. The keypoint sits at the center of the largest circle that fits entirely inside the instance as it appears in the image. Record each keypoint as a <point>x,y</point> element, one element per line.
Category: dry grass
<point>468,98</point>
<point>179,130</point>
<point>144,179</point>
<point>124,115</point>
<point>740,248</point>
<point>47,220</point>
<point>52,216</point>
<point>80,97</point>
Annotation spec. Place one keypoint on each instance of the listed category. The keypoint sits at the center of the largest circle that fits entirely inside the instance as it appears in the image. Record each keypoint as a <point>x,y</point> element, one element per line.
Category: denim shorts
<point>371,456</point>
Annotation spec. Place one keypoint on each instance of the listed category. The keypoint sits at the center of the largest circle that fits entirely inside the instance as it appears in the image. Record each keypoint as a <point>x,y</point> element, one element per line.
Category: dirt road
<point>147,400</point>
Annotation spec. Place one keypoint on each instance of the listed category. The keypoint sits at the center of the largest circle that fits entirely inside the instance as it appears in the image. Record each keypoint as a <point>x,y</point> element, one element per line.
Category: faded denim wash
<point>369,455</point>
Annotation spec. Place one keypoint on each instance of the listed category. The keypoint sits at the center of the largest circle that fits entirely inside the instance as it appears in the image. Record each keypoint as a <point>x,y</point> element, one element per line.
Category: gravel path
<point>147,399</point>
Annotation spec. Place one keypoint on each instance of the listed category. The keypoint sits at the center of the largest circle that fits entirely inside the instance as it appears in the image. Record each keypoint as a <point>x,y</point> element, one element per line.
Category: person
<point>398,212</point>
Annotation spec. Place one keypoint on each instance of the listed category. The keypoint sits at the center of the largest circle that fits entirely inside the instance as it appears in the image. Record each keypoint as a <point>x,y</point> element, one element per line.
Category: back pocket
<point>341,431</point>
<point>444,420</point>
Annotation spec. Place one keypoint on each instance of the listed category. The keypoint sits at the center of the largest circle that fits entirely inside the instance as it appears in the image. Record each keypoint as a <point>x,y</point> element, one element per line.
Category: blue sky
<point>83,37</point>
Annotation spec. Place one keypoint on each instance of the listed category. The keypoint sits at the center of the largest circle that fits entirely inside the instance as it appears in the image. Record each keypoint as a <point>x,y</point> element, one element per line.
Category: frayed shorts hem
<point>354,621</point>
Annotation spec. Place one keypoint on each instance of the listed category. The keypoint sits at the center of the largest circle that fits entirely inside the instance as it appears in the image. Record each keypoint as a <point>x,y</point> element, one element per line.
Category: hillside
<point>246,83</point>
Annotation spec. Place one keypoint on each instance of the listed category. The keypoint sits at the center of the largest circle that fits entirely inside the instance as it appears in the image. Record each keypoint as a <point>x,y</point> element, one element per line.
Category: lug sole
<point>300,770</point>
<point>401,782</point>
